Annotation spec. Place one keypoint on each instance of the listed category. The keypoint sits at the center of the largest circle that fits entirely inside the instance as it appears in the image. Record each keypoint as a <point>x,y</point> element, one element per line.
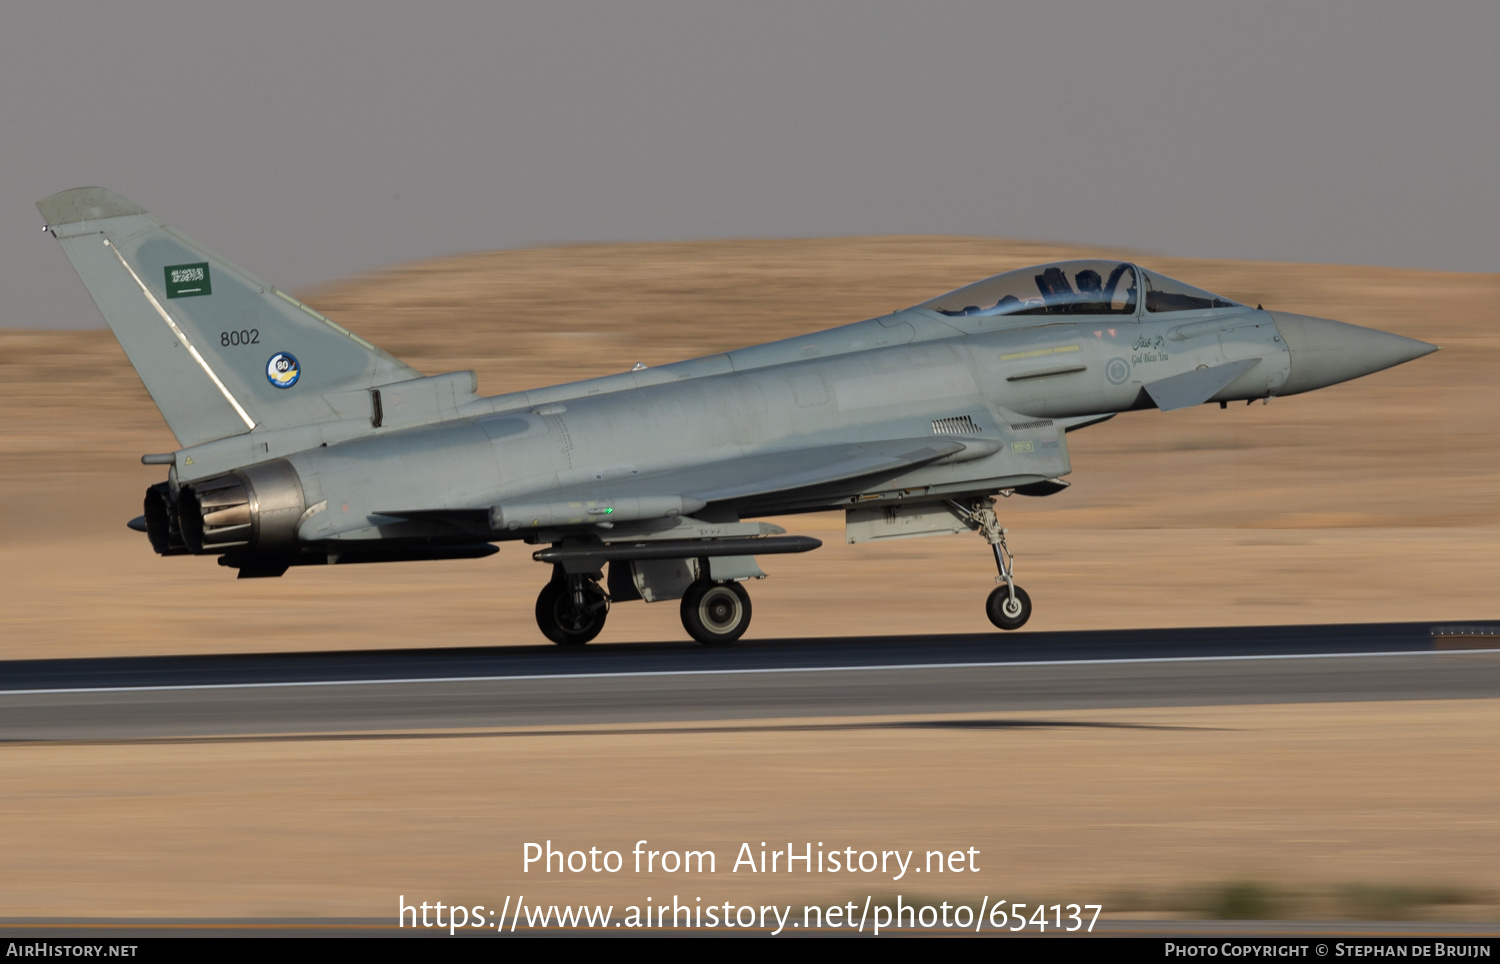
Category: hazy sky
<point>307,141</point>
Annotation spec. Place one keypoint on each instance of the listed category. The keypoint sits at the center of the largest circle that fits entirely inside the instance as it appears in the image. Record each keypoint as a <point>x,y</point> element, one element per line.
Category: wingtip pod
<point>85,204</point>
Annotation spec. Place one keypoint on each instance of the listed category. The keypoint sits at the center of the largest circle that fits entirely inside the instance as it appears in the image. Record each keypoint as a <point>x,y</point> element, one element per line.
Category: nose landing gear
<point>1008,605</point>
<point>1008,611</point>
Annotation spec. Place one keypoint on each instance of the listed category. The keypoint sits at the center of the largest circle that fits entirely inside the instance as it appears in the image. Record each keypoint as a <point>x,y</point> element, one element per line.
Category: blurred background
<point>312,141</point>
<point>526,189</point>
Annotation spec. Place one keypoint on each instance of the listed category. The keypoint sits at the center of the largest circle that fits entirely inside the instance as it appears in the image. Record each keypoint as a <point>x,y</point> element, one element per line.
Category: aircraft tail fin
<point>220,352</point>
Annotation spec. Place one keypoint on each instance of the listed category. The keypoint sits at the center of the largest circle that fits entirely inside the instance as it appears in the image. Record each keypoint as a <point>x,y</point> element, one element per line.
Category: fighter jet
<point>303,444</point>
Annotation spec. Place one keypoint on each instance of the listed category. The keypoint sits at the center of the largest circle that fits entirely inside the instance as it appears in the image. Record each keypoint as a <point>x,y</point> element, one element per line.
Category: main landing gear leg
<point>1008,605</point>
<point>571,608</point>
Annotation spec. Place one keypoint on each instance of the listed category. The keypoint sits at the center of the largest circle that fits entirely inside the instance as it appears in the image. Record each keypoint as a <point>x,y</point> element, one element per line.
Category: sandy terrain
<point>1372,500</point>
<point>1300,798</point>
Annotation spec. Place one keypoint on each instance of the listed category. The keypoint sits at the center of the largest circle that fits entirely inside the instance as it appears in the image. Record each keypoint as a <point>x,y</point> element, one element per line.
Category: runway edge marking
<point>732,672</point>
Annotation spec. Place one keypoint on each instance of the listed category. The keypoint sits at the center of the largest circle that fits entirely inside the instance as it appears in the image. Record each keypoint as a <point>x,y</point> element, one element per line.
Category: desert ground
<point>1372,500</point>
<point>1375,500</point>
<point>1329,809</point>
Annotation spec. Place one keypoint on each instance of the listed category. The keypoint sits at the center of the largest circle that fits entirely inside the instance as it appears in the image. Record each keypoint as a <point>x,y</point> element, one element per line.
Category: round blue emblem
<point>283,370</point>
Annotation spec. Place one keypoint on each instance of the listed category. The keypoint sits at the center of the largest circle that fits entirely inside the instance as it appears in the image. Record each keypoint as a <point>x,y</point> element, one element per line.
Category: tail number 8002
<point>241,337</point>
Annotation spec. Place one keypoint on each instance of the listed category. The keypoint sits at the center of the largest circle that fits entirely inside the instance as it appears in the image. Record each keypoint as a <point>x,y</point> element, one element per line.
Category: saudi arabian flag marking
<point>188,280</point>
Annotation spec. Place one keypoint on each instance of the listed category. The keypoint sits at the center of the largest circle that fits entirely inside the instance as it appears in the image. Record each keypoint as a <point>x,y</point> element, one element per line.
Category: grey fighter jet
<point>304,444</point>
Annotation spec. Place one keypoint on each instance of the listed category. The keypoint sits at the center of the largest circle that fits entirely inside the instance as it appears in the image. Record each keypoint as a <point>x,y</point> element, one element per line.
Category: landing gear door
<point>657,580</point>
<point>901,522</point>
<point>661,579</point>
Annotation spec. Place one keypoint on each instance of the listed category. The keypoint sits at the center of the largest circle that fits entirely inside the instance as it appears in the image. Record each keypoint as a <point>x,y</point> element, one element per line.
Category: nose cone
<point>1327,352</point>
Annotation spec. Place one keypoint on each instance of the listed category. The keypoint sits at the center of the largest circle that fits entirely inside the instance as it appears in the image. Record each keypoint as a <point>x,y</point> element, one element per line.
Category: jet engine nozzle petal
<point>1325,352</point>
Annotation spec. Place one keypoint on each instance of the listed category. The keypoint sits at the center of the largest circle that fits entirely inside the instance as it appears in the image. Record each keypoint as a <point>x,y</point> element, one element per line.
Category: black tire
<point>1003,613</point>
<point>715,613</point>
<point>561,622</point>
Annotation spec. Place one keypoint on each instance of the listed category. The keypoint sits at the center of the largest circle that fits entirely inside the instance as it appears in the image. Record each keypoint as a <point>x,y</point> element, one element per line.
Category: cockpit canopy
<point>1074,288</point>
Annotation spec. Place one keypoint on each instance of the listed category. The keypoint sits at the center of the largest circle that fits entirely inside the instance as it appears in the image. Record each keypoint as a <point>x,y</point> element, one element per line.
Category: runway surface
<point>387,691</point>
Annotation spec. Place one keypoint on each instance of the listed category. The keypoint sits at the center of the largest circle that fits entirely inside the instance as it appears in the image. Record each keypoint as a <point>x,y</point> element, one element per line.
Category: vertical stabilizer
<point>220,352</point>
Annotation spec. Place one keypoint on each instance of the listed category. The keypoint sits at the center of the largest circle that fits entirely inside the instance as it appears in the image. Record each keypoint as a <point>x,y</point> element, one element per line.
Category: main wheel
<point>561,621</point>
<point>716,612</point>
<point>1005,612</point>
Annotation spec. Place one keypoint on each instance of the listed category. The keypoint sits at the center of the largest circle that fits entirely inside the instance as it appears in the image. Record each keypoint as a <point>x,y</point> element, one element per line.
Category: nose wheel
<point>1008,611</point>
<point>715,613</point>
<point>571,610</point>
<point>1008,606</point>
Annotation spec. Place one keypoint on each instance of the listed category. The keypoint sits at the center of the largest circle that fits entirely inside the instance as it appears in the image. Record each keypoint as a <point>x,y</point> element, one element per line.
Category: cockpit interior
<point>1075,288</point>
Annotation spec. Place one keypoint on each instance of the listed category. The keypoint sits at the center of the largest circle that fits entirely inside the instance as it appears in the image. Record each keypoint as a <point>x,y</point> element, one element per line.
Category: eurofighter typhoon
<point>304,444</point>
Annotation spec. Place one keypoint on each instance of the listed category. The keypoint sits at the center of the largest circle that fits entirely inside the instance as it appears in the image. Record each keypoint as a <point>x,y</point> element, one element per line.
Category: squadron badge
<point>283,370</point>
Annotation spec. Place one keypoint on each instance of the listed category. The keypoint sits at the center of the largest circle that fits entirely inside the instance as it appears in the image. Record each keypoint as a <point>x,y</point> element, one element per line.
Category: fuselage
<point>994,390</point>
<point>908,375</point>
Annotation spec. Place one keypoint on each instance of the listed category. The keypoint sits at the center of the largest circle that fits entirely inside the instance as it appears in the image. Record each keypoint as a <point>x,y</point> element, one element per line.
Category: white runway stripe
<point>188,687</point>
